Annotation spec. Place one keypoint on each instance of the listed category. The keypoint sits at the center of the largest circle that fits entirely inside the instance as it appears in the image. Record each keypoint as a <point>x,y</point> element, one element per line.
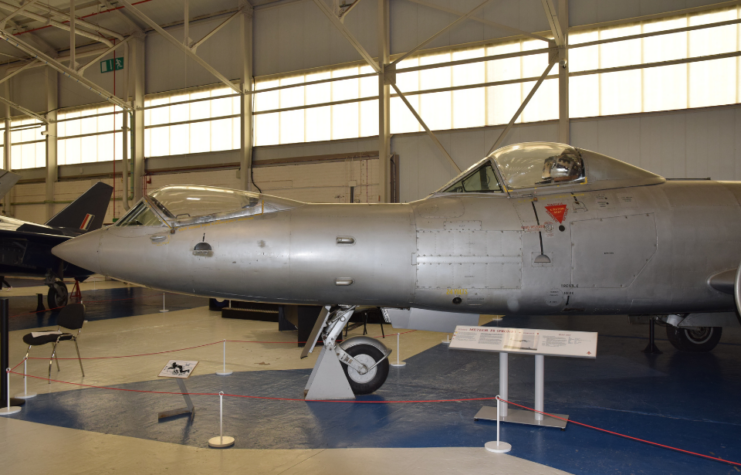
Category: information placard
<point>526,340</point>
<point>178,369</point>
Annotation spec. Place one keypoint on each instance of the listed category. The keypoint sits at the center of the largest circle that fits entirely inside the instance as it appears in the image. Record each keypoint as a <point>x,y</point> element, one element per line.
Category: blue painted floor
<point>684,400</point>
<point>100,305</point>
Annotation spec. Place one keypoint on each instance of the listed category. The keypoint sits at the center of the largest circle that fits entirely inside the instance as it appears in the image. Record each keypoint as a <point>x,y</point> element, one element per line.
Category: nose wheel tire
<point>58,295</point>
<point>701,339</point>
<point>373,379</point>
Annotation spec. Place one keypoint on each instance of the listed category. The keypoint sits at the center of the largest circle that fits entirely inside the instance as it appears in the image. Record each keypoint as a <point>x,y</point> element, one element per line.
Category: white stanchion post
<point>25,394</point>
<point>504,381</point>
<point>498,447</point>
<point>163,304</point>
<point>8,409</point>
<point>398,353</point>
<point>539,385</point>
<point>446,341</point>
<point>224,372</point>
<point>221,442</point>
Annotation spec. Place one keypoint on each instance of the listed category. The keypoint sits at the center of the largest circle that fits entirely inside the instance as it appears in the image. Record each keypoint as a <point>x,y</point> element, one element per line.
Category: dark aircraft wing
<point>86,213</point>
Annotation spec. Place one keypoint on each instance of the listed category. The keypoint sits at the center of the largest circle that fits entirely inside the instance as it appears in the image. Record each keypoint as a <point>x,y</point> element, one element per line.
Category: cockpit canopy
<point>522,168</point>
<point>182,205</point>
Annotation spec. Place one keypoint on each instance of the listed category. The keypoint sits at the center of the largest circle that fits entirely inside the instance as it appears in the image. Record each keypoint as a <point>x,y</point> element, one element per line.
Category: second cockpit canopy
<point>521,166</point>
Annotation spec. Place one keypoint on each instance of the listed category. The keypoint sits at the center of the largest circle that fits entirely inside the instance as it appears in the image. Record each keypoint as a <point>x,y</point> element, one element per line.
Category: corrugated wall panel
<point>168,68</point>
<point>298,36</point>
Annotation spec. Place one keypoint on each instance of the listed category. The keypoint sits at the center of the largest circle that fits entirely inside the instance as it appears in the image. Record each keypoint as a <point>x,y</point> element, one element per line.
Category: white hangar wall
<point>295,36</point>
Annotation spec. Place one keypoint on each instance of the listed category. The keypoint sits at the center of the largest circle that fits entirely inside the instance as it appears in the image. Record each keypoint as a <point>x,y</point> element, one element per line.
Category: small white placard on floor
<point>526,340</point>
<point>178,369</point>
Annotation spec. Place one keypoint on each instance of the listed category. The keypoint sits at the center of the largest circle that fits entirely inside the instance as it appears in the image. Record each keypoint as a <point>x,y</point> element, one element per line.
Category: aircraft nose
<point>81,251</point>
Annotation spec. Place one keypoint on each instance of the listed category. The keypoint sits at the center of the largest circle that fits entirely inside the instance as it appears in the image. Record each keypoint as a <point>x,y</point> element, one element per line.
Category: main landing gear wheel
<point>58,295</point>
<point>700,339</point>
<point>373,379</point>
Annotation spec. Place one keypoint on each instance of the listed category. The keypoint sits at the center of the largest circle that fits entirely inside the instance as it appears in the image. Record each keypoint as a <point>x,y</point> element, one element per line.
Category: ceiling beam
<point>56,24</point>
<point>551,14</point>
<point>179,44</point>
<point>346,33</point>
<point>457,22</point>
<point>23,110</point>
<point>67,71</point>
<point>482,20</point>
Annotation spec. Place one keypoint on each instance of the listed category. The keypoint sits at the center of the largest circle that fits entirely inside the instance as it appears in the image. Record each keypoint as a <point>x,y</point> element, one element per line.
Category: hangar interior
<point>286,97</point>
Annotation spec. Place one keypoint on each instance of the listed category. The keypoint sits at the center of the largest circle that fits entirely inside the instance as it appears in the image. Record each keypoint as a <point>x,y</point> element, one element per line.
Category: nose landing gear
<point>58,295</point>
<point>359,365</point>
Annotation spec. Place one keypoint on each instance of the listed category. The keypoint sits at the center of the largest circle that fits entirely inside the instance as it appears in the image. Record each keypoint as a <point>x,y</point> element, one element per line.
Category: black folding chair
<point>70,317</point>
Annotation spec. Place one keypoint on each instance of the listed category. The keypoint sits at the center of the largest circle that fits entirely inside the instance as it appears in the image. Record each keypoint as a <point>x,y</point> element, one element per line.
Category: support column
<point>564,132</point>
<point>137,82</point>
<point>245,168</point>
<point>52,104</point>
<point>7,152</point>
<point>384,104</point>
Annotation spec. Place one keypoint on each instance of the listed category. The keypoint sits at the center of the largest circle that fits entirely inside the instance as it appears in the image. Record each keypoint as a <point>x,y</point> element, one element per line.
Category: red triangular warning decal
<point>557,211</point>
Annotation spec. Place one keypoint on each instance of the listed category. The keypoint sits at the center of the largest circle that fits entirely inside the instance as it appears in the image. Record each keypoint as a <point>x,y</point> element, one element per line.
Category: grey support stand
<point>328,380</point>
<point>522,416</point>
<point>183,410</point>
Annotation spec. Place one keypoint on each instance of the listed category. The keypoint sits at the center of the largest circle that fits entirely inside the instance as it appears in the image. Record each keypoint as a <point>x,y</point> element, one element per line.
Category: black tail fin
<point>87,212</point>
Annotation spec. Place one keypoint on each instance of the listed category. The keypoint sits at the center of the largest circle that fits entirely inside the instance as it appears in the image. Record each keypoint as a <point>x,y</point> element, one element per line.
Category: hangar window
<point>196,121</point>
<point>28,149</point>
<point>466,90</point>
<point>90,134</point>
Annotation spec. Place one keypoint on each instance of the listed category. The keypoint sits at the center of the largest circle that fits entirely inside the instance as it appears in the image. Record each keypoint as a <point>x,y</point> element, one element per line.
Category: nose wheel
<point>58,295</point>
<point>371,357</point>
<point>356,366</point>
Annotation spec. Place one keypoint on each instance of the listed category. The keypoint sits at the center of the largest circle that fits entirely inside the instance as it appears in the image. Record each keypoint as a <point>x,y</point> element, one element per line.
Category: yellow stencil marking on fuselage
<point>456,292</point>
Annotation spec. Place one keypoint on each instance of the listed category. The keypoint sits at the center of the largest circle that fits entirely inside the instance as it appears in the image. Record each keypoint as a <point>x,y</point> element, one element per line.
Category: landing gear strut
<point>360,362</point>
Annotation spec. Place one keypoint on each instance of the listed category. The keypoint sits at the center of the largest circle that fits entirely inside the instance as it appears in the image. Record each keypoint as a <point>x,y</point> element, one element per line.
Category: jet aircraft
<point>532,229</point>
<point>25,248</point>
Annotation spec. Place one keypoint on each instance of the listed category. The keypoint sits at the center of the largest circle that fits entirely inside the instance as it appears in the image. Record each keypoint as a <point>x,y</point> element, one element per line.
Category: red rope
<point>132,356</point>
<point>425,401</point>
<point>623,435</point>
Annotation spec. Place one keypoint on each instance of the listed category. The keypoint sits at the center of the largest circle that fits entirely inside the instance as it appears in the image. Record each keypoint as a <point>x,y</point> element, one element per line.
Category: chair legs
<point>78,357</point>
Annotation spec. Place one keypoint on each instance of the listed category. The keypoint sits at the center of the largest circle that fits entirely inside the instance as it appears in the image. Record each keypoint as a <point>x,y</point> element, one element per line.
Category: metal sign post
<point>524,341</point>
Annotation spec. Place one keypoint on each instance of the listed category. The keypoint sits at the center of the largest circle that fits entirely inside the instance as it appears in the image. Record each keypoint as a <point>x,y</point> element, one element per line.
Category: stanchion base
<point>446,342</point>
<point>224,373</point>
<point>221,442</point>
<point>25,396</point>
<point>521,416</point>
<point>502,448</point>
<point>401,363</point>
<point>164,310</point>
<point>6,411</point>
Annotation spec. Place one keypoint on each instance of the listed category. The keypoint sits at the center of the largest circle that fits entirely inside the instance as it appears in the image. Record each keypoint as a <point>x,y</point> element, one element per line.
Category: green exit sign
<point>107,65</point>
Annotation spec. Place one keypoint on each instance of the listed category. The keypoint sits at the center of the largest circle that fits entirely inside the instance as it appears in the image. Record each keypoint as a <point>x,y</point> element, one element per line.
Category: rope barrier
<point>717,459</point>
<point>422,401</point>
<point>131,356</point>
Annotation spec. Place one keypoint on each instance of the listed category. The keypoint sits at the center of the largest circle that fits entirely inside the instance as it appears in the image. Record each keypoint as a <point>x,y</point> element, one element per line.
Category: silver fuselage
<point>638,250</point>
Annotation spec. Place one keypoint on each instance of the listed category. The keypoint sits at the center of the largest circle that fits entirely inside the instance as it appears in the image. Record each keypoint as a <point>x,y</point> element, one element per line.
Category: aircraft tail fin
<point>7,181</point>
<point>87,212</point>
